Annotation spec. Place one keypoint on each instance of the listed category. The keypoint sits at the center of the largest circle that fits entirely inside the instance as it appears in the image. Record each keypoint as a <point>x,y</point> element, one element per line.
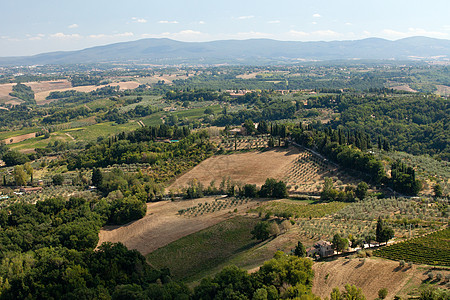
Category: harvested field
<point>5,89</point>
<point>40,96</point>
<point>303,171</point>
<point>252,167</point>
<point>43,86</point>
<point>443,90</point>
<point>163,225</point>
<point>168,79</point>
<point>404,87</point>
<point>19,138</point>
<point>370,275</point>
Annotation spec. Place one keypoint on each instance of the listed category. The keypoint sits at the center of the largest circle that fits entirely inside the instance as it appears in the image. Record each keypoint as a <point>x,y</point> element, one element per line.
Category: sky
<point>29,27</point>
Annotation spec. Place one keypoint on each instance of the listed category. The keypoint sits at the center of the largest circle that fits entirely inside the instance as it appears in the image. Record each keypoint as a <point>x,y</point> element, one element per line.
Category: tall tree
<point>300,250</point>
<point>20,176</point>
<point>97,177</point>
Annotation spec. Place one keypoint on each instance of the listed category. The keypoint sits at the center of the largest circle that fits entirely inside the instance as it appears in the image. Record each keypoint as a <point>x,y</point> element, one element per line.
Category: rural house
<point>322,248</point>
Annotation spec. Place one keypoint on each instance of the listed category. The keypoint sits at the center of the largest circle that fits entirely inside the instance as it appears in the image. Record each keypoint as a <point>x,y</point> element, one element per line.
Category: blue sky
<point>31,27</point>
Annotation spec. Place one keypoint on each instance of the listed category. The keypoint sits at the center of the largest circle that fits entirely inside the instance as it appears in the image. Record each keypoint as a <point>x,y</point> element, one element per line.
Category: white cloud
<point>348,24</point>
<point>138,20</point>
<point>245,17</point>
<point>201,22</point>
<point>124,34</point>
<point>316,16</point>
<point>390,33</point>
<point>60,35</point>
<point>314,34</point>
<point>296,33</point>
<point>274,22</point>
<point>251,35</point>
<point>103,36</point>
<point>37,37</point>
<point>314,23</point>
<point>72,26</point>
<point>97,36</point>
<point>184,35</point>
<point>167,22</point>
<point>326,33</point>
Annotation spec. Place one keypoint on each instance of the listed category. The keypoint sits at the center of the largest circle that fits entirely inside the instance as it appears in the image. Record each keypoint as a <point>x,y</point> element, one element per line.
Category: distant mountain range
<point>250,52</point>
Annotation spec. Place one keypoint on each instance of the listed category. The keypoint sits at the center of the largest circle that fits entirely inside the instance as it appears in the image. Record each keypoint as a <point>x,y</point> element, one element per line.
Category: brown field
<point>168,79</point>
<point>252,167</point>
<point>404,87</point>
<point>370,275</point>
<point>443,90</point>
<point>40,96</point>
<point>163,225</point>
<point>5,89</point>
<point>303,171</point>
<point>19,138</point>
<point>43,86</point>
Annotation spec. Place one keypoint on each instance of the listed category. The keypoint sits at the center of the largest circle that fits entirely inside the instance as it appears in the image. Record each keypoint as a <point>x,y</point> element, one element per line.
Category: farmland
<point>208,248</point>
<point>432,249</point>
<point>163,224</point>
<point>174,168</point>
<point>250,167</point>
<point>297,209</point>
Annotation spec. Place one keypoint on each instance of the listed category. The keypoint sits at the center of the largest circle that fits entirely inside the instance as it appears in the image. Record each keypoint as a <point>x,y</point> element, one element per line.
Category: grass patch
<point>300,209</point>
<point>199,252</point>
<point>154,119</point>
<point>196,113</point>
<point>100,103</point>
<point>91,133</point>
<point>40,142</point>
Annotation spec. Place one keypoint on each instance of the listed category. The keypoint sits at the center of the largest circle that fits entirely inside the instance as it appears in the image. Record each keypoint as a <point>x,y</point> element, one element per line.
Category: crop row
<point>432,249</point>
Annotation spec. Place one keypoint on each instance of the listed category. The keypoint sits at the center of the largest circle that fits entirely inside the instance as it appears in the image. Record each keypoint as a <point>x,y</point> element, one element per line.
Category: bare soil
<point>163,225</point>
<point>252,167</point>
<point>40,96</point>
<point>5,89</point>
<point>19,138</point>
<point>370,275</point>
<point>404,87</point>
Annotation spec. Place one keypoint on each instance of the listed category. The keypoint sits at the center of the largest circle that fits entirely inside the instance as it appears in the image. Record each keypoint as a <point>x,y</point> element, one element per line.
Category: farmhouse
<point>30,189</point>
<point>322,248</point>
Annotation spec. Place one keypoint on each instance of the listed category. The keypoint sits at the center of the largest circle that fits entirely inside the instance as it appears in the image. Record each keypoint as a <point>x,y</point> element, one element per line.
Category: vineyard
<point>432,249</point>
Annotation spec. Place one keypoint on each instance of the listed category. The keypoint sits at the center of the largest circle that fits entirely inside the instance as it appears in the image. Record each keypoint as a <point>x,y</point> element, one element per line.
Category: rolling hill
<point>253,51</point>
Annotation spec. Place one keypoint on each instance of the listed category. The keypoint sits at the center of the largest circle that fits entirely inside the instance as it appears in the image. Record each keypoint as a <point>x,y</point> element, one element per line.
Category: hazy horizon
<point>29,27</point>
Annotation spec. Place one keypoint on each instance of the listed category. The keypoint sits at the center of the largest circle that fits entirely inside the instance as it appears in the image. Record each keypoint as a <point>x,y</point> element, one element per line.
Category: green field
<point>90,133</point>
<point>301,209</point>
<point>153,120</point>
<point>100,103</point>
<point>432,249</point>
<point>190,257</point>
<point>196,113</point>
<point>40,142</point>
